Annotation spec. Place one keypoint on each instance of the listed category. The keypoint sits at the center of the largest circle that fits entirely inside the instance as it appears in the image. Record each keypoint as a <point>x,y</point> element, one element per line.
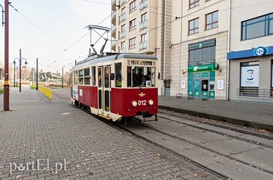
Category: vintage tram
<point>119,86</point>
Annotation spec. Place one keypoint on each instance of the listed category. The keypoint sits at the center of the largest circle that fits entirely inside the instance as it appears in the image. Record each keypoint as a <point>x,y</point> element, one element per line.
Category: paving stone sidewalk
<point>43,139</point>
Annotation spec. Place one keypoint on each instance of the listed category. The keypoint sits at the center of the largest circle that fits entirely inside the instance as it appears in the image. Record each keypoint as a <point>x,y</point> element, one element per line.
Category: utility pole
<point>37,74</point>
<point>20,70</point>
<point>63,77</point>
<point>6,73</point>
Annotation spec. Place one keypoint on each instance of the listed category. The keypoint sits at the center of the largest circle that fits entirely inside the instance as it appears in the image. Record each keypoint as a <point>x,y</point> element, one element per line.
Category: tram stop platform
<point>252,114</point>
<point>52,139</point>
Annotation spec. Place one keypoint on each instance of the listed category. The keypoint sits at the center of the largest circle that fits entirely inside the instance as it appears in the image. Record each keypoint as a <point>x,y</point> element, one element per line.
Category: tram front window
<point>141,76</point>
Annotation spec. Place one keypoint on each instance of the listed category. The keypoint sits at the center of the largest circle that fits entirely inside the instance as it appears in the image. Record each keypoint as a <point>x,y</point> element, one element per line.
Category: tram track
<point>229,127</point>
<point>217,174</point>
<point>245,130</point>
<point>151,128</point>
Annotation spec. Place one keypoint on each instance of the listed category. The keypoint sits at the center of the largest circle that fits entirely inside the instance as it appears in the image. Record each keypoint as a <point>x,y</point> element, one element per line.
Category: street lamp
<point>20,72</point>
<point>2,15</point>
<point>63,76</point>
<point>14,63</point>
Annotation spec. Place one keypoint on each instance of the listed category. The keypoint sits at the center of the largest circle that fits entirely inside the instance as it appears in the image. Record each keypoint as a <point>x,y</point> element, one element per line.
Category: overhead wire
<point>64,49</point>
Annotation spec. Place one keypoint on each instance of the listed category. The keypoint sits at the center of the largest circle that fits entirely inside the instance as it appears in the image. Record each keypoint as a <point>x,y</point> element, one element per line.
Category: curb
<point>221,118</point>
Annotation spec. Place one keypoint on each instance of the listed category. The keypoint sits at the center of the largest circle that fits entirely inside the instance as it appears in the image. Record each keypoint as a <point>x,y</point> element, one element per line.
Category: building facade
<point>251,51</point>
<point>204,47</point>
<point>199,48</point>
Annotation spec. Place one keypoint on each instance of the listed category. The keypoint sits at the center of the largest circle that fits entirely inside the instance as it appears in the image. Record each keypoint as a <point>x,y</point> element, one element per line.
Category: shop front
<point>201,81</point>
<point>251,74</point>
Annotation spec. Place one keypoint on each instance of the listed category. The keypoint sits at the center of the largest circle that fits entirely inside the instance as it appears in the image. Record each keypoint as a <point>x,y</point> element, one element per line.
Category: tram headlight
<point>151,102</point>
<point>134,103</point>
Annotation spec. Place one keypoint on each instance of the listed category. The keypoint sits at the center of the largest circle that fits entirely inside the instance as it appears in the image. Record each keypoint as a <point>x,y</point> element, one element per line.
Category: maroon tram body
<point>108,86</point>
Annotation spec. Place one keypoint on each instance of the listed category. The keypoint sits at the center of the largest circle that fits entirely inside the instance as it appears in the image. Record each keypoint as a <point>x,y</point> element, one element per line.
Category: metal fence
<point>254,92</point>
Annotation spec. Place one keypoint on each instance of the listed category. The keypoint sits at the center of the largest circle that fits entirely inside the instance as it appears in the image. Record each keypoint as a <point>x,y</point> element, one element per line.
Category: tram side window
<point>118,79</point>
<point>76,77</point>
<point>99,76</point>
<point>81,76</point>
<point>93,75</point>
<point>107,77</point>
<point>129,76</point>
<point>87,76</point>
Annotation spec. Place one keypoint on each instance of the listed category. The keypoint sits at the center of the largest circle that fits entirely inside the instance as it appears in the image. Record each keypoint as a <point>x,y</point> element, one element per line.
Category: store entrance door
<point>196,90</point>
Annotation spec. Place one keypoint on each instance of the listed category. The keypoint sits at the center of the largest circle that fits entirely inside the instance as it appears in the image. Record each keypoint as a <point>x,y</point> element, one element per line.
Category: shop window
<point>249,83</point>
<point>202,56</point>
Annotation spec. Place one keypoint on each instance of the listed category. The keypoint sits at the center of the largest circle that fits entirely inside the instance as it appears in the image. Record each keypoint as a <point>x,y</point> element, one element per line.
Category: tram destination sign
<point>202,44</point>
<point>147,63</point>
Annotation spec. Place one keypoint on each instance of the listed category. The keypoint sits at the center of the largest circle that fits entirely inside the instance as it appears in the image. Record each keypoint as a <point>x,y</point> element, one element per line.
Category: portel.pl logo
<point>38,165</point>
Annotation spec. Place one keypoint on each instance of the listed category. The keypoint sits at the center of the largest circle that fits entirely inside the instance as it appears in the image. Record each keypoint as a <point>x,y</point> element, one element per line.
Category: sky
<point>53,31</point>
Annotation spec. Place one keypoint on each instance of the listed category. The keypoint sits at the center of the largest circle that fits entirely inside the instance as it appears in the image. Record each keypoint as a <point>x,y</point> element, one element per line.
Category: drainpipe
<point>162,39</point>
<point>228,50</point>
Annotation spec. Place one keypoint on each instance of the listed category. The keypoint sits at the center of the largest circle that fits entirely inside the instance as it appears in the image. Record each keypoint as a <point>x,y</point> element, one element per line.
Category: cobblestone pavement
<point>42,139</point>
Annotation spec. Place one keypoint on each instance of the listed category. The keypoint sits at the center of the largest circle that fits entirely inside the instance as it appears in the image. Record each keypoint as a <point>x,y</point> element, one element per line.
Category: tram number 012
<point>142,102</point>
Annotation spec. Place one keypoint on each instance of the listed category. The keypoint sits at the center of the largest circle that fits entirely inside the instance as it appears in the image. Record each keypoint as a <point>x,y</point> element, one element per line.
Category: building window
<point>123,15</point>
<point>257,27</point>
<point>193,3</point>
<point>132,43</point>
<point>143,42</point>
<point>202,52</point>
<point>143,38</point>
<point>143,17</point>
<point>132,25</point>
<point>143,23</point>
<point>132,6</point>
<point>122,32</point>
<point>193,26</point>
<point>212,20</point>
<point>122,50</point>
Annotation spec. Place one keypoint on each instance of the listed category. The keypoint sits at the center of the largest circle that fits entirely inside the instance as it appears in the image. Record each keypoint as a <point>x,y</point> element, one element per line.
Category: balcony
<point>143,25</point>
<point>122,50</point>
<point>113,30</point>
<point>113,16</point>
<point>113,2</point>
<point>143,4</point>
<point>122,17</point>
<point>113,45</point>
<point>142,45</point>
<point>122,2</point>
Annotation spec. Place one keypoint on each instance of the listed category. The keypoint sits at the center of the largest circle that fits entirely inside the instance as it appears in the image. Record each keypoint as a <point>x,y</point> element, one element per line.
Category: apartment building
<point>134,26</point>
<point>188,37</point>
<point>251,51</point>
<point>141,26</point>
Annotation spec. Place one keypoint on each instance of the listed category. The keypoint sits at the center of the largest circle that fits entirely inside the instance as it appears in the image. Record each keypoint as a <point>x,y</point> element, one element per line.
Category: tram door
<point>104,89</point>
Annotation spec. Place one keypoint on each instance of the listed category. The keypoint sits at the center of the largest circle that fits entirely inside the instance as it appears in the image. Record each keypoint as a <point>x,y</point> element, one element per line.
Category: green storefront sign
<point>203,44</point>
<point>207,67</point>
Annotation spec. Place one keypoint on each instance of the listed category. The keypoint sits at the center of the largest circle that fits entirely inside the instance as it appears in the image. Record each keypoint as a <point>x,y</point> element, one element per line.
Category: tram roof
<point>92,60</point>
